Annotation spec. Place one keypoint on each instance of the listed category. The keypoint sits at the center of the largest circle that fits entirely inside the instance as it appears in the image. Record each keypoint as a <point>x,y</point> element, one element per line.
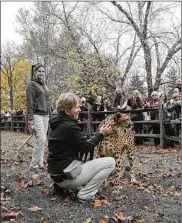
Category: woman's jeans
<point>93,174</point>
<point>40,123</point>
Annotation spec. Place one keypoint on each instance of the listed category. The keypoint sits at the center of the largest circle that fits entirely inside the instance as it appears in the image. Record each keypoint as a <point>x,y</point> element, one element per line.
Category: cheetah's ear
<point>117,116</point>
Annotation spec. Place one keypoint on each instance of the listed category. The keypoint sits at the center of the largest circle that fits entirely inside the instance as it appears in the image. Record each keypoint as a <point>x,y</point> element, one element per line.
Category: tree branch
<point>173,50</point>
<point>144,33</point>
<point>5,89</point>
<point>128,17</point>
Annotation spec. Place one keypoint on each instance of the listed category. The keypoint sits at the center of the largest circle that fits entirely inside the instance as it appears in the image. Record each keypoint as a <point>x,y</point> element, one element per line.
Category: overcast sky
<point>8,12</point>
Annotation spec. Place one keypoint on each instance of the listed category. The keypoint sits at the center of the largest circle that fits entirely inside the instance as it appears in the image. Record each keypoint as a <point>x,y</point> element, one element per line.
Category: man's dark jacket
<point>65,141</point>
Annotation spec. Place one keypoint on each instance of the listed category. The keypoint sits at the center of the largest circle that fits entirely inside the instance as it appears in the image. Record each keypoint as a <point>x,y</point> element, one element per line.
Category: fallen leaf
<point>12,168</point>
<point>38,183</point>
<point>19,178</point>
<point>105,201</point>
<point>68,198</point>
<point>104,220</point>
<point>97,203</point>
<point>88,220</point>
<point>177,194</point>
<point>7,191</point>
<point>121,197</point>
<point>13,215</point>
<point>30,184</point>
<point>138,218</point>
<point>46,191</point>
<point>45,219</point>
<point>35,208</point>
<point>5,209</point>
<point>113,220</point>
<point>120,216</point>
<point>35,176</point>
<point>21,185</point>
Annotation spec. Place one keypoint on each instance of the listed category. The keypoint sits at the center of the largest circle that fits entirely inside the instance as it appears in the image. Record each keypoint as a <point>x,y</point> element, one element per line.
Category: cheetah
<point>117,142</point>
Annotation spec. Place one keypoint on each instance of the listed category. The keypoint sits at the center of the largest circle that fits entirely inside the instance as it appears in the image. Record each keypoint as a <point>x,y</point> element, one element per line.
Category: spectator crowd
<point>121,101</point>
<point>18,117</point>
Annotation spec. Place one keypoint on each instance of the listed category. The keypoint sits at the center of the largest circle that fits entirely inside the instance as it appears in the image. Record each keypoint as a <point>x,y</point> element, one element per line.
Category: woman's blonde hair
<point>67,101</point>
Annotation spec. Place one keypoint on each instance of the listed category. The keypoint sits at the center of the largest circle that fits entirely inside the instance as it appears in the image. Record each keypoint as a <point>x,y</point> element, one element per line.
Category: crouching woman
<point>66,141</point>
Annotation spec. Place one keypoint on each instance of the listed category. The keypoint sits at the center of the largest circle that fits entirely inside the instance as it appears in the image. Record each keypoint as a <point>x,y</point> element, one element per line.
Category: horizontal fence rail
<point>89,127</point>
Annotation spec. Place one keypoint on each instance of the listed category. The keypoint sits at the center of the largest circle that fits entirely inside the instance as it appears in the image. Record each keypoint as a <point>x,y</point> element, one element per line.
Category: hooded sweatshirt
<point>65,141</point>
<point>37,99</point>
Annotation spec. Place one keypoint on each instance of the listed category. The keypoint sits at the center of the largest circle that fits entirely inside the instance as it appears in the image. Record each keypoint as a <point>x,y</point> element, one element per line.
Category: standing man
<point>37,111</point>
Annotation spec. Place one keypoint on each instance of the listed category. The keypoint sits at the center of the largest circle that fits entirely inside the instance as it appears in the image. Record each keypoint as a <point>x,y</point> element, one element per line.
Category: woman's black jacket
<point>65,141</point>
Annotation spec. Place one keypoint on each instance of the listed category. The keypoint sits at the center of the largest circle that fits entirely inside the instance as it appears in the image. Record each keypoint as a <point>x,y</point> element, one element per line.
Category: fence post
<point>12,122</point>
<point>161,103</point>
<point>26,123</point>
<point>89,121</point>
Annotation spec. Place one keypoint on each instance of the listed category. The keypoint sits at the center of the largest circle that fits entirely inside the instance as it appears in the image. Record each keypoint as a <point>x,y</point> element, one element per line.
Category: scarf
<point>133,105</point>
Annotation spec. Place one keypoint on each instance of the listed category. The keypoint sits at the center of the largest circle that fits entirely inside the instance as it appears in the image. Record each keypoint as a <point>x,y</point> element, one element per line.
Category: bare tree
<point>98,35</point>
<point>100,39</point>
<point>141,21</point>
<point>142,33</point>
<point>38,28</point>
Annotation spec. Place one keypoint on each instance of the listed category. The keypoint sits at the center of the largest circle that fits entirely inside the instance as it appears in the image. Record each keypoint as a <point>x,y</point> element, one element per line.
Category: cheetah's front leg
<point>130,158</point>
<point>118,172</point>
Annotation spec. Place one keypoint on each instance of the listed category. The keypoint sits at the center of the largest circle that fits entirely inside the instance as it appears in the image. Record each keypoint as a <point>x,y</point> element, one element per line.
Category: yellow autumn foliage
<point>14,80</point>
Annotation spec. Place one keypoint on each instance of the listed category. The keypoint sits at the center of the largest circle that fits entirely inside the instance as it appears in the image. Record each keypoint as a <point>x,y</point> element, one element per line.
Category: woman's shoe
<point>89,199</point>
<point>60,191</point>
<point>42,168</point>
<point>34,169</point>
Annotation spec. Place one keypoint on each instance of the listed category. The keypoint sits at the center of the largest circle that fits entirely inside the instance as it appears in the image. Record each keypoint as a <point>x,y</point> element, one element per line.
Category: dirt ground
<point>27,197</point>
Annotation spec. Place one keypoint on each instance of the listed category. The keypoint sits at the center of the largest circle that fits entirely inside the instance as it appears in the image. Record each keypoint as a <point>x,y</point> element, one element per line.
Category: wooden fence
<point>15,123</point>
<point>19,123</point>
<point>90,124</point>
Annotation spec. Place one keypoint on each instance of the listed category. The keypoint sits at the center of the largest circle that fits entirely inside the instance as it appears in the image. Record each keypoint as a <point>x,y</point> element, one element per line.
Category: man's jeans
<point>40,123</point>
<point>93,174</point>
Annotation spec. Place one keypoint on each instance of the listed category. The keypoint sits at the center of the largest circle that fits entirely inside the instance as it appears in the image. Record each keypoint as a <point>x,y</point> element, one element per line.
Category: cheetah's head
<point>122,120</point>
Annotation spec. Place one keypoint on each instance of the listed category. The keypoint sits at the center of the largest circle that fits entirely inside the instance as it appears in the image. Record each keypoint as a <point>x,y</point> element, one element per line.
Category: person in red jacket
<point>66,141</point>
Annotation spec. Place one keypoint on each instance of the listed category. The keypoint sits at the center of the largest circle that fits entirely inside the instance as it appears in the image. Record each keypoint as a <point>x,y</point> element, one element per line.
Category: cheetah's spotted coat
<point>116,143</point>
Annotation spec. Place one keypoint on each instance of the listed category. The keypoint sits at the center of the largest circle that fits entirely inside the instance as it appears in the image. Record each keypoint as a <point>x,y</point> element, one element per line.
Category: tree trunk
<point>147,56</point>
